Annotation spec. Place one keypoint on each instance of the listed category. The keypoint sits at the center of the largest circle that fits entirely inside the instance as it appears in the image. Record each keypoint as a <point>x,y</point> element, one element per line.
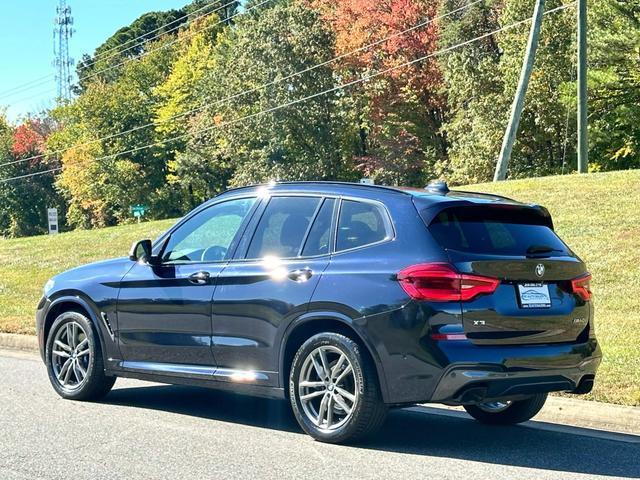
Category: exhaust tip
<point>585,385</point>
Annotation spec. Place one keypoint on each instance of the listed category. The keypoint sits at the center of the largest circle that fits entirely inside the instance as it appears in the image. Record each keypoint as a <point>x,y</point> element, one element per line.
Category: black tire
<point>517,412</point>
<point>95,384</point>
<point>368,410</point>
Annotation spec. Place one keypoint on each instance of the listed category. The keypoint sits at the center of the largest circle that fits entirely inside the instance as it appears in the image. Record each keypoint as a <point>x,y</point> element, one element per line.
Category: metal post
<point>521,92</point>
<point>583,133</point>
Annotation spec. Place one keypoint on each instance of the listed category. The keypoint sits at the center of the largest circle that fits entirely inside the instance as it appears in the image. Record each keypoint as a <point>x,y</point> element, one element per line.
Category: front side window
<point>361,224</point>
<point>207,236</point>
<point>283,227</point>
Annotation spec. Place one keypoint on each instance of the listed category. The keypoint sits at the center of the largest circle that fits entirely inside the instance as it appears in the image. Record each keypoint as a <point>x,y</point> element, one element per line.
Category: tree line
<point>180,105</point>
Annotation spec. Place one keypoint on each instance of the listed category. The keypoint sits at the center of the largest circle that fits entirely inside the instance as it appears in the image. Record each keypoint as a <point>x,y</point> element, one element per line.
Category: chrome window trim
<point>388,223</point>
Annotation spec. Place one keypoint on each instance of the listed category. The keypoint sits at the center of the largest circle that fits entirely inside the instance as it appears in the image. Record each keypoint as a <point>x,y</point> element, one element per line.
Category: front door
<point>164,311</point>
<point>269,285</point>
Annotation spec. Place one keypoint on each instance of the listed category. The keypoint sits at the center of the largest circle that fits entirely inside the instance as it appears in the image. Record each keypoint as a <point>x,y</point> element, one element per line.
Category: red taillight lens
<point>581,286</point>
<point>440,282</point>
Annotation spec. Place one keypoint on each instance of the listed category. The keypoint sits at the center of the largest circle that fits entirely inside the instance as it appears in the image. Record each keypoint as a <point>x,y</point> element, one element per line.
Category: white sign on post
<point>52,216</point>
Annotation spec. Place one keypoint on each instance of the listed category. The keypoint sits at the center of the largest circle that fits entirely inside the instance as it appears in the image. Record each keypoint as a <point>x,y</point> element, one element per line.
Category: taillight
<point>581,286</point>
<point>440,282</point>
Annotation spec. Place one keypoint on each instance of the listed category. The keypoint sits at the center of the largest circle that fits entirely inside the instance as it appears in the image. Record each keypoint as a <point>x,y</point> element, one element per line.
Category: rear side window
<point>282,227</point>
<point>486,230</point>
<point>361,224</point>
<point>320,234</point>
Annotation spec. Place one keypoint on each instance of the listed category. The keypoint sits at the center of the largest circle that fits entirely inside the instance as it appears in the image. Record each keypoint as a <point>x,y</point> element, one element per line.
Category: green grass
<point>597,215</point>
<point>27,263</point>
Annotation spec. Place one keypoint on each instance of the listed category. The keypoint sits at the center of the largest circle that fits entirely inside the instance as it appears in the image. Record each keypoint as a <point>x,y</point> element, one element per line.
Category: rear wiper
<point>541,249</point>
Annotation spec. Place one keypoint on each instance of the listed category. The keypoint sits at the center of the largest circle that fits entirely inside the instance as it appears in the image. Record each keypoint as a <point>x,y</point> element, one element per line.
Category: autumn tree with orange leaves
<point>400,110</point>
<point>24,203</point>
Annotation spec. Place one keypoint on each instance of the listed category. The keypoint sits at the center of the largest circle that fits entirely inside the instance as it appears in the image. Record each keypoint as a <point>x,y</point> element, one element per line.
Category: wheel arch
<point>71,304</point>
<point>310,324</point>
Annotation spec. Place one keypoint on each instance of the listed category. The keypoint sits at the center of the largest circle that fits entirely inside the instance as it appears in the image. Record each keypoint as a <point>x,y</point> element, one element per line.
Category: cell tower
<point>62,32</point>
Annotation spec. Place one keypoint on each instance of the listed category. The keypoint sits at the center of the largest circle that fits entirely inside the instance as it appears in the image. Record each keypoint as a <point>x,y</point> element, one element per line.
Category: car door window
<point>207,236</point>
<point>361,224</point>
<point>317,242</point>
<point>283,227</point>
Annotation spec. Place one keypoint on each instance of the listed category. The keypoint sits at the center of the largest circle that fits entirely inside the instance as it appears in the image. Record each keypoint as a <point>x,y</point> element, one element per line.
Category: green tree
<point>481,79</point>
<point>474,90</point>
<point>614,81</point>
<point>244,133</point>
<point>120,170</point>
<point>24,201</point>
<point>137,38</point>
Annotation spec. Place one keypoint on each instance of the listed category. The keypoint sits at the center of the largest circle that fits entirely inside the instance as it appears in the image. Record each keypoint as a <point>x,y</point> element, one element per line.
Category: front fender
<point>67,299</point>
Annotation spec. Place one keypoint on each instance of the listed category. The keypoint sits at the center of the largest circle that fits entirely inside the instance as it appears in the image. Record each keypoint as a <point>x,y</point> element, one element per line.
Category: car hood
<point>101,272</point>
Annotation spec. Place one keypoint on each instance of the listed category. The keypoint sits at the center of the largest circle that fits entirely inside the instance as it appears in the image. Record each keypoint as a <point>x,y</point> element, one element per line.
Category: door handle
<point>301,274</point>
<point>200,278</point>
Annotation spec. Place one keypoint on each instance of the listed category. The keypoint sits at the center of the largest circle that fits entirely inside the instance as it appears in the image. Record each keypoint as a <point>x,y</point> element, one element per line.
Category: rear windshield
<point>497,231</point>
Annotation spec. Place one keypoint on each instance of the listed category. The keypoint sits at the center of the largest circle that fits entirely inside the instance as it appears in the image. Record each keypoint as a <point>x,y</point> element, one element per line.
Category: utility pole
<point>62,32</point>
<point>521,92</point>
<point>583,113</point>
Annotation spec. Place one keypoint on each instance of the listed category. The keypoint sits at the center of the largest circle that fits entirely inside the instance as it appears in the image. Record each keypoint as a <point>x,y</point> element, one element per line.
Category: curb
<point>558,410</point>
<point>14,341</point>
<point>573,412</point>
<point>603,416</point>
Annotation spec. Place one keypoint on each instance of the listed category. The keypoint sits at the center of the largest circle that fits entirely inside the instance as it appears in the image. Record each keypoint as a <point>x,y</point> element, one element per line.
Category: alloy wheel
<point>494,407</point>
<point>70,355</point>
<point>327,388</point>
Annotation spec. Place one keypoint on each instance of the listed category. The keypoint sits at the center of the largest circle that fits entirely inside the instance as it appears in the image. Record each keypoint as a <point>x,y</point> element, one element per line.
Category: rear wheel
<point>507,412</point>
<point>334,390</point>
<point>74,359</point>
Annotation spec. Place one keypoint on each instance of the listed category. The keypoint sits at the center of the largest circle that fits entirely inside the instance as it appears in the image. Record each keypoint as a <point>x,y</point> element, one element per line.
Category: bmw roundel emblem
<point>540,270</point>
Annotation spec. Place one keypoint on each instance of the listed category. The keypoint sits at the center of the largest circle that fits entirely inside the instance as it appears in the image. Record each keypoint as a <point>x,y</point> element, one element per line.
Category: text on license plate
<point>534,295</point>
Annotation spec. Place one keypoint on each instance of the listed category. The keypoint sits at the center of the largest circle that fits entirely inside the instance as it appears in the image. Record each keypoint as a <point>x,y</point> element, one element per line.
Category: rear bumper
<point>519,372</point>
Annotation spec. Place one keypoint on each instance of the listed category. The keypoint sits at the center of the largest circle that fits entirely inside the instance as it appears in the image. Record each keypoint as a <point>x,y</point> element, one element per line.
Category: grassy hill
<point>598,215</point>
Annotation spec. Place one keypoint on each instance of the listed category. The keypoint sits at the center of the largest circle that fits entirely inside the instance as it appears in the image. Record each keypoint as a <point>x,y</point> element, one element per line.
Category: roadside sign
<point>52,220</point>
<point>138,211</point>
<point>367,181</point>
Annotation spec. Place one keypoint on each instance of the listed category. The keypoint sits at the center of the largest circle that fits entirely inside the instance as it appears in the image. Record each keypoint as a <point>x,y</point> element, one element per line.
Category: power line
<point>254,89</point>
<point>351,83</point>
<point>27,87</point>
<point>173,42</point>
<point>147,40</point>
<point>35,80</point>
<point>48,78</point>
<point>5,180</point>
<point>35,95</point>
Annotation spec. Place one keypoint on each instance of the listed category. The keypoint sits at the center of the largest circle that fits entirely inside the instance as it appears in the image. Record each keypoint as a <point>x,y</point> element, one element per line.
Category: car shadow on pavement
<point>417,432</point>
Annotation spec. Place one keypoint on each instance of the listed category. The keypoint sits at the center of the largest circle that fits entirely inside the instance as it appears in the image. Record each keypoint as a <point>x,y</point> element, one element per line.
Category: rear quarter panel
<point>361,285</point>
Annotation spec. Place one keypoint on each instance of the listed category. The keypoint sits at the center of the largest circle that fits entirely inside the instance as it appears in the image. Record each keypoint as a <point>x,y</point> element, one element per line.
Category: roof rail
<point>319,182</point>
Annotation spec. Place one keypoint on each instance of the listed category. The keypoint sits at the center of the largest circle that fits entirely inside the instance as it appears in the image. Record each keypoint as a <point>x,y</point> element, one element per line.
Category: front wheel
<point>334,390</point>
<point>74,359</point>
<point>507,412</point>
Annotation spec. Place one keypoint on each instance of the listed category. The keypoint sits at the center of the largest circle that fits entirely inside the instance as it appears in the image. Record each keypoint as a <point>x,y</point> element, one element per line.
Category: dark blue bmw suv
<point>346,299</point>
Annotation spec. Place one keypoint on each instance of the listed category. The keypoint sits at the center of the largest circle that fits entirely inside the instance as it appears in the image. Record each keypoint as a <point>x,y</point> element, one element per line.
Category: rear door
<point>270,283</point>
<point>534,302</point>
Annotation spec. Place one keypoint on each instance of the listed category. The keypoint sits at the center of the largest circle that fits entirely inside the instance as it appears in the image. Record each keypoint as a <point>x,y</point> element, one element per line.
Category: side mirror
<point>141,251</point>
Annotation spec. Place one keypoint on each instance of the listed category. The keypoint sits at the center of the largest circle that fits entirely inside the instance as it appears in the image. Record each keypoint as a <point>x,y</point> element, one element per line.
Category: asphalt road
<point>148,431</point>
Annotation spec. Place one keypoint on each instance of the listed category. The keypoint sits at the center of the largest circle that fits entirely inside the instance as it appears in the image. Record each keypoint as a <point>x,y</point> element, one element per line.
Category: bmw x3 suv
<point>345,299</point>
